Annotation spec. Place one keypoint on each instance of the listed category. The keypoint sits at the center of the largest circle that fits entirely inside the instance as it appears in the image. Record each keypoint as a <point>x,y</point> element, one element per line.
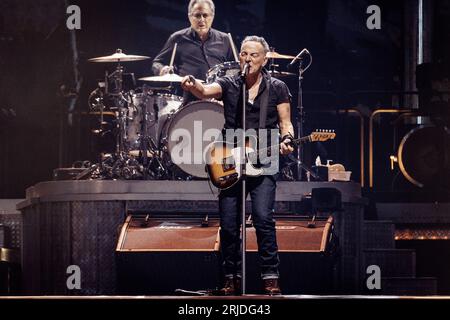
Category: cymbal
<point>169,77</point>
<point>280,74</point>
<point>276,55</point>
<point>119,56</point>
<point>97,113</point>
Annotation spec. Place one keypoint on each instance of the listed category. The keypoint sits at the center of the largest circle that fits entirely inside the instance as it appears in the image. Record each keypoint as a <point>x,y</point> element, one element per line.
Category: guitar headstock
<point>322,135</point>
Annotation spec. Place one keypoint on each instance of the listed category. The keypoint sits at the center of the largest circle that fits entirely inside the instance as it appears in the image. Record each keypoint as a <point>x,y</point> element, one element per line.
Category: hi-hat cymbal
<point>119,56</point>
<point>276,55</point>
<point>169,77</point>
<point>280,74</point>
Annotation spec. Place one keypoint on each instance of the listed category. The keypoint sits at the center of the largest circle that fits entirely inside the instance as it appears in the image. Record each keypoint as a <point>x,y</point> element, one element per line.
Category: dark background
<point>349,60</point>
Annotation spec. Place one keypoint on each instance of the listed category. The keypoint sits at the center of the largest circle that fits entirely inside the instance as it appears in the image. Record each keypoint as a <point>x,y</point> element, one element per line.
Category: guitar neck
<point>276,147</point>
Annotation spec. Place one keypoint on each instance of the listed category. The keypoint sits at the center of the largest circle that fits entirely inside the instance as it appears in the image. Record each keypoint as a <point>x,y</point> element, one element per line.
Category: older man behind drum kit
<point>196,49</point>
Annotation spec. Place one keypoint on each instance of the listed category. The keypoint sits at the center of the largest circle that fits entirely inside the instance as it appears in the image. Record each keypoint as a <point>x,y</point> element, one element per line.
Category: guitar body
<point>223,164</point>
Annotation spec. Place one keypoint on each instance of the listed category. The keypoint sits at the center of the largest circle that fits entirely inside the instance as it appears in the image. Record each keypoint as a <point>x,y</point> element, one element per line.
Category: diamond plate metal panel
<point>14,223</point>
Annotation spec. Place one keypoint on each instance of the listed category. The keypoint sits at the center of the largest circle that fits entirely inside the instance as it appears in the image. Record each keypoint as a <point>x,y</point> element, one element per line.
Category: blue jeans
<point>262,192</point>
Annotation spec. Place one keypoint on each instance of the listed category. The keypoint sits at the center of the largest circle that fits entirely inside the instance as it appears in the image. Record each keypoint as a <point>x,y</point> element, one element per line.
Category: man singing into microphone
<point>272,96</point>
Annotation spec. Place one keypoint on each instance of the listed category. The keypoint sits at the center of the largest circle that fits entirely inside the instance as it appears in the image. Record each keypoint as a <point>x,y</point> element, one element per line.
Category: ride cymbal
<point>276,55</point>
<point>119,56</point>
<point>280,74</point>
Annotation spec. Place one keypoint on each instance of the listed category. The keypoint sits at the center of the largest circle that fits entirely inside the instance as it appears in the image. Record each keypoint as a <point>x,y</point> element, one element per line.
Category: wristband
<point>286,136</point>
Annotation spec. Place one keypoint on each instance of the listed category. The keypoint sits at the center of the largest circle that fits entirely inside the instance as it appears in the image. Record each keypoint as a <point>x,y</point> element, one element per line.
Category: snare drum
<point>229,68</point>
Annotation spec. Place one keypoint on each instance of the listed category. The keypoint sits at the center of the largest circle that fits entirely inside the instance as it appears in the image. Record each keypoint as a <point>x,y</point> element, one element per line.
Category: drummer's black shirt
<point>194,57</point>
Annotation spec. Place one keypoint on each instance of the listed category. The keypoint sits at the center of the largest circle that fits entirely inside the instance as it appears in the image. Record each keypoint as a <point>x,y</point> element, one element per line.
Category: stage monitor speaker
<point>307,251</point>
<point>161,256</point>
<point>298,235</point>
<point>156,257</point>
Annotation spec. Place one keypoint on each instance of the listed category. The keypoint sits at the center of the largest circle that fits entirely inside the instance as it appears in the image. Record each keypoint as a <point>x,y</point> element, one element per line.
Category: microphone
<point>298,56</point>
<point>245,69</point>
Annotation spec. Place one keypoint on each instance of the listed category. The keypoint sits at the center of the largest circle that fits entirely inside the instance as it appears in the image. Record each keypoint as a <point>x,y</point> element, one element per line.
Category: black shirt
<point>232,97</point>
<point>194,57</point>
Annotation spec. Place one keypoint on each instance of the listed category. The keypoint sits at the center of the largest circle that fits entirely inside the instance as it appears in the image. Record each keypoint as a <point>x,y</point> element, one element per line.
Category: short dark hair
<point>192,3</point>
<point>260,40</point>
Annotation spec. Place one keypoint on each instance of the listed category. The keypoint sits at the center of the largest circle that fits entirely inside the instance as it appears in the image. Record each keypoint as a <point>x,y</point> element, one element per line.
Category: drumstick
<point>173,55</point>
<point>233,48</point>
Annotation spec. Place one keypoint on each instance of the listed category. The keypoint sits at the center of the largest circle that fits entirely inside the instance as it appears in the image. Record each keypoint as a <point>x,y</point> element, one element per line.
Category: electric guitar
<point>223,160</point>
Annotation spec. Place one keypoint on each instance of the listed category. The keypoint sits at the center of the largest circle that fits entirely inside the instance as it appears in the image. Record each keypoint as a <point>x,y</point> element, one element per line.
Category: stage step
<point>379,235</point>
<point>392,262</point>
<point>406,286</point>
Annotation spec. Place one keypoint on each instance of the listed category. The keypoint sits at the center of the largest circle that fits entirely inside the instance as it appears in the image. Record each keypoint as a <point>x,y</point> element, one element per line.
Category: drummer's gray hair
<point>192,3</point>
<point>260,40</point>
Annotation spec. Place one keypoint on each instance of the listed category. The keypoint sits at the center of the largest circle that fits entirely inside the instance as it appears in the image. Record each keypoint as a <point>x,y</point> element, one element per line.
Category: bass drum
<point>424,157</point>
<point>188,132</point>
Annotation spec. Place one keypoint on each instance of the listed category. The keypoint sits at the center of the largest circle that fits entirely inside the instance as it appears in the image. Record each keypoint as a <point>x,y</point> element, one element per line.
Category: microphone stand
<point>243,177</point>
<point>300,120</point>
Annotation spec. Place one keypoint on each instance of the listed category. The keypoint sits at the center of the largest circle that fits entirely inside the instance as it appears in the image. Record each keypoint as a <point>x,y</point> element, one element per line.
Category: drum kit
<point>153,133</point>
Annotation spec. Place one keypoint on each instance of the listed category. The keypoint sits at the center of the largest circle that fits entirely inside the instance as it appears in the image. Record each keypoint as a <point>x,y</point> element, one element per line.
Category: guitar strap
<point>264,102</point>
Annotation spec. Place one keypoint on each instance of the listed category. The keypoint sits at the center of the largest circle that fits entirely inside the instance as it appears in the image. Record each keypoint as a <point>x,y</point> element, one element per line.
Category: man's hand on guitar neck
<point>285,145</point>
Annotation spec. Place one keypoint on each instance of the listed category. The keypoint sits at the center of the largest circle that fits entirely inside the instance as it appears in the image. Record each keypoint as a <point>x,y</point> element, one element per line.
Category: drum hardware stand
<point>272,64</point>
<point>144,143</point>
<point>148,144</point>
<point>86,172</point>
